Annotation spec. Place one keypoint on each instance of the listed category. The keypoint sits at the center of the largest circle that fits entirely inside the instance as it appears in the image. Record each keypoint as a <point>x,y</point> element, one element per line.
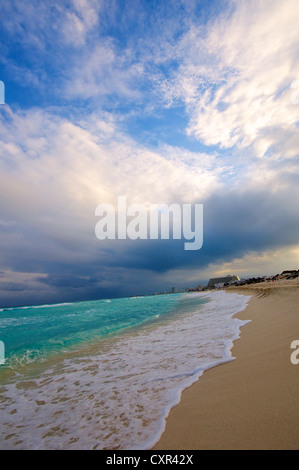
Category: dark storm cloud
<point>235,224</point>
<point>86,91</point>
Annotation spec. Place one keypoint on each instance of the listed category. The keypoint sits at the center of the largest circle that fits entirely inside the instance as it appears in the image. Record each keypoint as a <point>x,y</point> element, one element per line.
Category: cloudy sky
<point>178,101</point>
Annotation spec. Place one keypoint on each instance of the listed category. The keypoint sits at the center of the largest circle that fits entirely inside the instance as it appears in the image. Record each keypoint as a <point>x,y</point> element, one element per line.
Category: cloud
<point>80,20</point>
<point>226,73</point>
<point>55,172</point>
<point>79,164</point>
<point>47,40</point>
<point>102,71</point>
<point>235,78</point>
<point>267,263</point>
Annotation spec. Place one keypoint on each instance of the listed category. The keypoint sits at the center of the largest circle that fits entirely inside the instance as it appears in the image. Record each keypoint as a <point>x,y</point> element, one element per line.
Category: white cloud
<point>252,264</point>
<point>103,70</point>
<point>235,78</point>
<point>80,20</point>
<point>54,172</point>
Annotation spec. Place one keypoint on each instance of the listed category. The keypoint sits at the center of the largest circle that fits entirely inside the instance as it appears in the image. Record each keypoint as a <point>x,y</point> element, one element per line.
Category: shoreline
<point>252,401</point>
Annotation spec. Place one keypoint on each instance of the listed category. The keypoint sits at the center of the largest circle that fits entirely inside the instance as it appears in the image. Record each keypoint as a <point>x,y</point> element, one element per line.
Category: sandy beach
<point>251,402</point>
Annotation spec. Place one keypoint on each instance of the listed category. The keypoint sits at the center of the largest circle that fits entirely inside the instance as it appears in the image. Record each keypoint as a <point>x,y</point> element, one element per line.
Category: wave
<point>51,305</point>
<point>117,394</point>
<point>27,307</point>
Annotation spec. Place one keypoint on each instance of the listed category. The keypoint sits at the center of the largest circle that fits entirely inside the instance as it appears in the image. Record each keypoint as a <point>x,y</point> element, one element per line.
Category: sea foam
<point>117,394</point>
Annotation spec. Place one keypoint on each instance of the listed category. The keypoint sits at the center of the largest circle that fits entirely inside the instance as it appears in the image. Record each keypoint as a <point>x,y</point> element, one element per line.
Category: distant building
<point>217,282</point>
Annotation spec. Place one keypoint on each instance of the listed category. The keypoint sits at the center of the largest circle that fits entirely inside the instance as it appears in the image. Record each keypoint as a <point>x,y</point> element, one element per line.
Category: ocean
<point>104,374</point>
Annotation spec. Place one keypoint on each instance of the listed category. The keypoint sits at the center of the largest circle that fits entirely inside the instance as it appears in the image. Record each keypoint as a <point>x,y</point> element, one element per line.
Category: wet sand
<point>251,402</point>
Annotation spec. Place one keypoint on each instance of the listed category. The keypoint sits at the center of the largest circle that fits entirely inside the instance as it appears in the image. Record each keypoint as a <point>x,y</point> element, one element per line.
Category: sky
<point>177,102</point>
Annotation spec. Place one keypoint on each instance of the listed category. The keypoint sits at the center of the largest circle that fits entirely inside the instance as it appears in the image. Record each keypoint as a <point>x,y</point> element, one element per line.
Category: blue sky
<point>184,101</point>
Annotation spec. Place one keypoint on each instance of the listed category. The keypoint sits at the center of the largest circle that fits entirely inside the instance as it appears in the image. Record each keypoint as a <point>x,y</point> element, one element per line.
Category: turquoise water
<point>104,374</point>
<point>35,332</point>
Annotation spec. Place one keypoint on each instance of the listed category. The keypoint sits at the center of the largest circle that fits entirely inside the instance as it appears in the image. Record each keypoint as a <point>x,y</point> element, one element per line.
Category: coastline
<point>252,401</point>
